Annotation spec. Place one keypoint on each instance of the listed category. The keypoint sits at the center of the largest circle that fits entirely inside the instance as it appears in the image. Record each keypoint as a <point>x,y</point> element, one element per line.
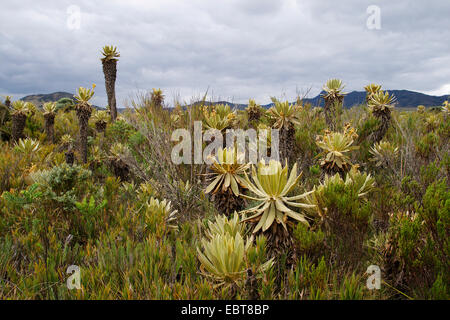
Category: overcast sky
<point>240,49</point>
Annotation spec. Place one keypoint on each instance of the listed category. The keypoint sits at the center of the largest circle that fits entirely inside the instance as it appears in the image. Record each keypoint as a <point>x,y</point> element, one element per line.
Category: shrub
<point>417,249</point>
<point>62,184</point>
<point>309,243</point>
<point>344,214</point>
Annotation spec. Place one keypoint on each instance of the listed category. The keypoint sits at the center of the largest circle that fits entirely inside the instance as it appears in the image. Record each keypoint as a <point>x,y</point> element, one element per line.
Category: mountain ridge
<point>404,99</point>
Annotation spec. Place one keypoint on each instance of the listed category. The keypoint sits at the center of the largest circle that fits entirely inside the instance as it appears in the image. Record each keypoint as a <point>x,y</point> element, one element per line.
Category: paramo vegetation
<point>97,189</point>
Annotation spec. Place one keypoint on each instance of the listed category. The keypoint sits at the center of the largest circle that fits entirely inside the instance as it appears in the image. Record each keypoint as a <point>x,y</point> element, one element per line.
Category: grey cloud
<point>240,49</point>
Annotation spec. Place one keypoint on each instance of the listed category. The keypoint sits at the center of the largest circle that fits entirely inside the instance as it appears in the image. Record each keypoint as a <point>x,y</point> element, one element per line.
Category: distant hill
<point>40,99</point>
<point>404,98</point>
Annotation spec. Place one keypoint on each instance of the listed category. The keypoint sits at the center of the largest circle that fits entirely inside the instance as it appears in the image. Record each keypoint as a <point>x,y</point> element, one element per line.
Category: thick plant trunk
<point>385,120</point>
<point>157,100</point>
<point>253,119</point>
<point>100,126</point>
<point>110,72</point>
<point>280,243</point>
<point>83,118</point>
<point>330,111</point>
<point>253,115</point>
<point>120,169</point>
<point>332,171</point>
<point>226,202</point>
<point>251,286</point>
<point>18,124</point>
<point>50,127</point>
<point>70,157</point>
<point>281,247</point>
<point>83,140</point>
<point>287,145</point>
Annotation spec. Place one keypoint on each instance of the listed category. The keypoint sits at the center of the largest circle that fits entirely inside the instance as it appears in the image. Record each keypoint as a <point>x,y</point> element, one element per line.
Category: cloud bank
<point>239,49</point>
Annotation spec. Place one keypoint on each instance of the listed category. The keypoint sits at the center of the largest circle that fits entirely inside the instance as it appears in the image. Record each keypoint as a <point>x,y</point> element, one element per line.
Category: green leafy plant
<point>336,146</point>
<point>222,224</point>
<point>381,105</point>
<point>90,208</point>
<point>362,183</point>
<point>90,211</point>
<point>254,111</point>
<point>25,198</point>
<point>219,117</point>
<point>226,174</point>
<point>159,215</point>
<point>63,184</point>
<point>334,97</point>
<point>224,255</point>
<point>384,154</point>
<point>27,146</point>
<point>100,118</point>
<point>416,249</point>
<point>446,108</point>
<point>271,186</point>
<point>283,114</point>
<point>371,90</point>
<point>421,109</point>
<point>272,214</point>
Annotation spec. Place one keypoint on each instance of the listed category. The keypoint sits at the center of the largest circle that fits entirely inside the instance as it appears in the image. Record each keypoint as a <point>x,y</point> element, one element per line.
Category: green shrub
<point>308,242</point>
<point>416,254</point>
<point>426,145</point>
<point>346,222</point>
<point>309,280</point>
<point>62,184</point>
<point>352,288</point>
<point>120,131</point>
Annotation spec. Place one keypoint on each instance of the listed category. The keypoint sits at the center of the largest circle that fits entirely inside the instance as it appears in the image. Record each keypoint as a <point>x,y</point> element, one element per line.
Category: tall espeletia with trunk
<point>109,62</point>
<point>100,119</point>
<point>20,111</point>
<point>84,110</point>
<point>8,100</point>
<point>381,105</point>
<point>157,98</point>
<point>371,90</point>
<point>334,98</point>
<point>254,113</point>
<point>285,117</point>
<point>49,110</point>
